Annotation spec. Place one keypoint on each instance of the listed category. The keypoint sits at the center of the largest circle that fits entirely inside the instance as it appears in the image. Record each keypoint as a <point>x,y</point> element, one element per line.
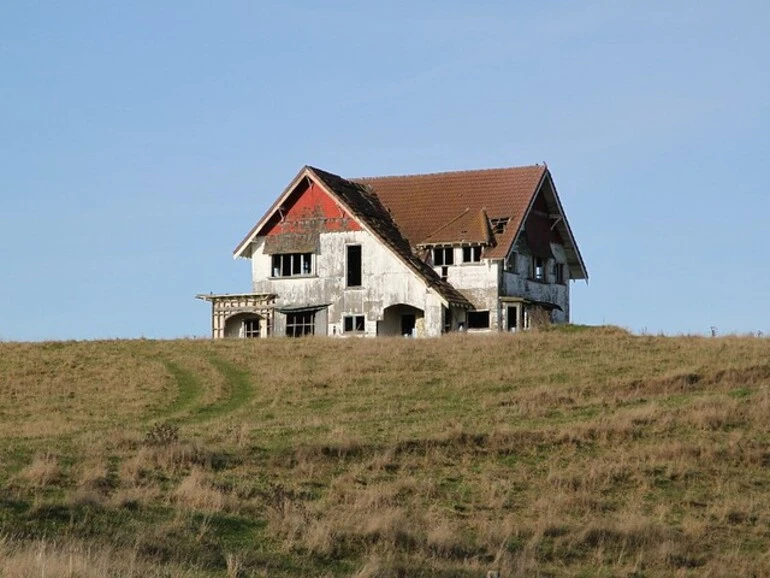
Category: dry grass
<point>551,453</point>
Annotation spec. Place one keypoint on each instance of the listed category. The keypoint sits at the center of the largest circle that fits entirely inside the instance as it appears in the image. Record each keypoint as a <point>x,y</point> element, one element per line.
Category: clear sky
<point>139,141</point>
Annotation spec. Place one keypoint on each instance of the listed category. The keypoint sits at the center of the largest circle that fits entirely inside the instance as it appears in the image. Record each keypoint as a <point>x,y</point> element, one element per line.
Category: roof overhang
<point>575,260</point>
<point>211,297</point>
<point>242,250</point>
<point>525,301</point>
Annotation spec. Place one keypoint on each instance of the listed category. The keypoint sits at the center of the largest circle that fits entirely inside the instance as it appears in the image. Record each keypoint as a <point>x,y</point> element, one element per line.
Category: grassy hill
<point>557,453</point>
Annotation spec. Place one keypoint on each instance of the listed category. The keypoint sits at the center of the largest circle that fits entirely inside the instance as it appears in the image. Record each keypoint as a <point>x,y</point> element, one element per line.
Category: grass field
<point>579,452</point>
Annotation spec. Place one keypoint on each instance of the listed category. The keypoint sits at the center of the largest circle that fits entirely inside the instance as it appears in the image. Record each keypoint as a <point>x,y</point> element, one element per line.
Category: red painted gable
<point>309,209</point>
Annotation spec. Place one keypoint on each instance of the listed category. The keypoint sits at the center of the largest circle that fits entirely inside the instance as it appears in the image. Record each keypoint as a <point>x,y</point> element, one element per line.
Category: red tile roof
<point>439,207</point>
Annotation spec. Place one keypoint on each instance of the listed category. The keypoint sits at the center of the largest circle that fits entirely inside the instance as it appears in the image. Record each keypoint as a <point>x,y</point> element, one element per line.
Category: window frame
<point>296,327</point>
<point>558,273</point>
<point>443,251</point>
<point>474,254</point>
<point>478,327</point>
<point>288,265</point>
<point>348,270</point>
<point>511,262</point>
<point>357,324</point>
<point>538,273</point>
<point>249,331</point>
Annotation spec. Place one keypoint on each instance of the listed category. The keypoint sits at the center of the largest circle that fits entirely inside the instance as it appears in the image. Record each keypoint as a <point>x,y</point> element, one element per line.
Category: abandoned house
<point>416,255</point>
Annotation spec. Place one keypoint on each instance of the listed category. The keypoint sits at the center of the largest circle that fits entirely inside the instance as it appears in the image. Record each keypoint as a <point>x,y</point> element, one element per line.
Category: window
<point>354,323</point>
<point>251,328</point>
<point>471,254</point>
<point>354,265</point>
<point>447,314</point>
<point>558,272</point>
<point>443,256</point>
<point>498,225</point>
<point>510,263</point>
<point>538,269</point>
<point>292,264</point>
<point>478,319</point>
<point>299,324</point>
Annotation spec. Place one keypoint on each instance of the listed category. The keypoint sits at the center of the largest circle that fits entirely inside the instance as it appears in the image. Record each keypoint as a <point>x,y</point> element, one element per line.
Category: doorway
<point>408,322</point>
<point>513,318</point>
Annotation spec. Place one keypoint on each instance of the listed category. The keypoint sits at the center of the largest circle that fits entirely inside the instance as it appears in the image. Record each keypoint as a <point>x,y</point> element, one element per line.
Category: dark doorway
<point>408,321</point>
<point>513,318</point>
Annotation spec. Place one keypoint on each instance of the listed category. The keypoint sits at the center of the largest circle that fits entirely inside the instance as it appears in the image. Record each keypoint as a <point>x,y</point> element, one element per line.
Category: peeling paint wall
<point>478,282</point>
<point>519,284</point>
<point>386,281</point>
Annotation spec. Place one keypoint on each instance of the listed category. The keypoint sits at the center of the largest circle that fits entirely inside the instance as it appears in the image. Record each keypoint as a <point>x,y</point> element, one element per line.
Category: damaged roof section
<point>365,205</point>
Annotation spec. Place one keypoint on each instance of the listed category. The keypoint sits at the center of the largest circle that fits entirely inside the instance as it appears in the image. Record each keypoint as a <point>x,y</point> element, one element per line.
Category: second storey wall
<point>385,281</point>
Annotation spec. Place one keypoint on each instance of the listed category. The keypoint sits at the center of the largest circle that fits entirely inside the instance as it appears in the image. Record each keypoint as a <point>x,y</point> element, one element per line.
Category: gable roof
<point>366,207</point>
<point>422,204</point>
<point>443,208</point>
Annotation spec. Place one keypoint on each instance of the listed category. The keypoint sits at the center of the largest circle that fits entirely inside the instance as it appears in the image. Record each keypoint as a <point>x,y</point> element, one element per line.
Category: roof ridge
<point>457,172</point>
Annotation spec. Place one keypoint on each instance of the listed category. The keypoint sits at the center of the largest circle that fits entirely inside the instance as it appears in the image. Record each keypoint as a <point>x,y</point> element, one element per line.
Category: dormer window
<point>471,254</point>
<point>443,256</point>
<point>498,225</point>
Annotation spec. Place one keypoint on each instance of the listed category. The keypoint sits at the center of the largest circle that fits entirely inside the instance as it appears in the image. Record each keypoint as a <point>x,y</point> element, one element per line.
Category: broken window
<point>447,315</point>
<point>354,323</point>
<point>498,225</point>
<point>538,269</point>
<point>478,319</point>
<point>299,324</point>
<point>292,264</point>
<point>471,254</point>
<point>558,272</point>
<point>354,265</point>
<point>443,256</point>
<point>251,328</point>
<point>510,262</point>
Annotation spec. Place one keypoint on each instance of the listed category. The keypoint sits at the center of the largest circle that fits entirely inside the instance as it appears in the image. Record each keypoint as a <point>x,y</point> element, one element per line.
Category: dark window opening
<point>447,319</point>
<point>292,264</point>
<point>443,256</point>
<point>510,262</point>
<point>299,324</point>
<point>444,273</point>
<point>558,272</point>
<point>251,328</point>
<point>354,265</point>
<point>538,268</point>
<point>478,319</point>
<point>354,323</point>
<point>498,225</point>
<point>471,254</point>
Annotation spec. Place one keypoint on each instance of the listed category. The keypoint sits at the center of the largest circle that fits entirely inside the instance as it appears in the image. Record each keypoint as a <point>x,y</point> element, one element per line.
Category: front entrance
<point>400,320</point>
<point>408,322</point>
<point>513,318</point>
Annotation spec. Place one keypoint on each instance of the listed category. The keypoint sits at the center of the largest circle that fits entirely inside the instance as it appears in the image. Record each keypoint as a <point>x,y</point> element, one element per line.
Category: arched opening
<point>245,325</point>
<point>403,320</point>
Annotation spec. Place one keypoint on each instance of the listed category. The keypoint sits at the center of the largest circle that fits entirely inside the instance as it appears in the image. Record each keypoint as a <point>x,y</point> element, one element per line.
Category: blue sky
<point>139,141</point>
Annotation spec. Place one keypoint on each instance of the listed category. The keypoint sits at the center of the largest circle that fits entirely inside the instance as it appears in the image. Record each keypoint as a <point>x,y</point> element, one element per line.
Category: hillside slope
<point>558,453</point>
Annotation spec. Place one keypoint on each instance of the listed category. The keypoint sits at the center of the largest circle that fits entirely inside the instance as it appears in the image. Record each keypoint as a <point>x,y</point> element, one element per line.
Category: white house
<point>415,255</point>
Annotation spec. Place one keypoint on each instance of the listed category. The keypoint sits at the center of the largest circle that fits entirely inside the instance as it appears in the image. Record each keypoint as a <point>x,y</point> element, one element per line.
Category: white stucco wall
<point>386,281</point>
<point>478,282</point>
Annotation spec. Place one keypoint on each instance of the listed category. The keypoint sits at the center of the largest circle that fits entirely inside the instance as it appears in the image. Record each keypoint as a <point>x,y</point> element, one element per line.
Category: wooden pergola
<point>226,307</point>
